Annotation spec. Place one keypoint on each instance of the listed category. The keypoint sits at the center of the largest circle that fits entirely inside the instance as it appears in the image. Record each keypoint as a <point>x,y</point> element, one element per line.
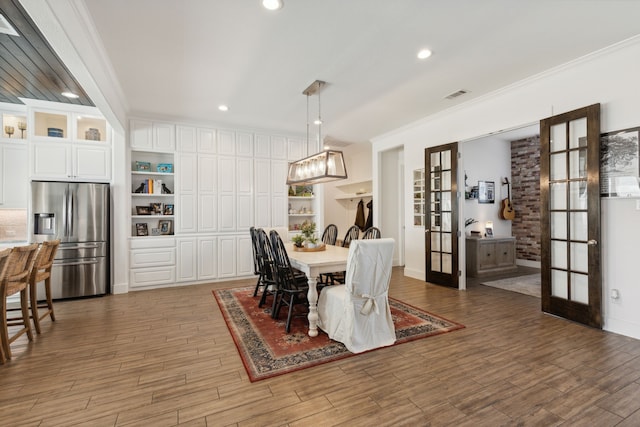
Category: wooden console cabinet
<point>490,255</point>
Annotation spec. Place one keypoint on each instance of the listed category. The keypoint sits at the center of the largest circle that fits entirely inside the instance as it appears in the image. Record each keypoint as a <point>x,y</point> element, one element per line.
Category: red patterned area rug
<point>267,350</point>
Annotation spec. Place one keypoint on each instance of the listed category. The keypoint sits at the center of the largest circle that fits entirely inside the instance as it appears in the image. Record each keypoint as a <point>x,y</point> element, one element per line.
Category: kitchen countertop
<point>11,244</point>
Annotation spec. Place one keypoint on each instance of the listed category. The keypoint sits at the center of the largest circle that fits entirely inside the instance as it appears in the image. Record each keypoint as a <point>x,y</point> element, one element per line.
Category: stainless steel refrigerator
<point>78,215</point>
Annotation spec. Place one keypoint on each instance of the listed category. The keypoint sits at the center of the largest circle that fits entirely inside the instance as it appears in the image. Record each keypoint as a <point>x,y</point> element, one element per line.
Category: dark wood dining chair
<point>256,259</point>
<point>291,291</point>
<point>330,234</point>
<point>371,233</point>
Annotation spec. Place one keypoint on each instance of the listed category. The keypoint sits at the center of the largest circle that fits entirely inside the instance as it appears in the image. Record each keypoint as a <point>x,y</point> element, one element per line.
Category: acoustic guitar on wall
<point>506,208</point>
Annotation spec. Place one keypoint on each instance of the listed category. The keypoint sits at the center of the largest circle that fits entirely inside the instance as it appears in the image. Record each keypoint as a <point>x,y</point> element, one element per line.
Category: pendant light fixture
<point>325,166</point>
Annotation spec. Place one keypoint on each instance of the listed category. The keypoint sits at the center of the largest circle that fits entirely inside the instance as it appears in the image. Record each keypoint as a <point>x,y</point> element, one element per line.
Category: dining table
<point>313,263</point>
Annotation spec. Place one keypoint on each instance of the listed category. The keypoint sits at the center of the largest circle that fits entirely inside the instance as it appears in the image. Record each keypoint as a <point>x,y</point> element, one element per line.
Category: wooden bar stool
<point>4,257</point>
<point>14,280</point>
<point>40,271</point>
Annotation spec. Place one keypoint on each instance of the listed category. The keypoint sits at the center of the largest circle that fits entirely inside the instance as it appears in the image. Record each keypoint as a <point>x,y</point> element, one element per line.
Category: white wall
<point>609,78</point>
<point>357,158</point>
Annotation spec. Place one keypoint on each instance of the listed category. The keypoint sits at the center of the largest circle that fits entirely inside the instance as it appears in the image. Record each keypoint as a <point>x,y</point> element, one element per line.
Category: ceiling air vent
<point>456,94</point>
<point>6,28</point>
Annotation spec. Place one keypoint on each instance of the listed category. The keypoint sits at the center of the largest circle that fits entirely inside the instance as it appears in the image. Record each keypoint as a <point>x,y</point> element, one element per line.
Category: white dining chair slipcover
<point>357,313</point>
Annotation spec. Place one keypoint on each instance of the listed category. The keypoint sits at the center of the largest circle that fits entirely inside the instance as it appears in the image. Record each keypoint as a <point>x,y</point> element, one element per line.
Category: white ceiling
<point>181,59</point>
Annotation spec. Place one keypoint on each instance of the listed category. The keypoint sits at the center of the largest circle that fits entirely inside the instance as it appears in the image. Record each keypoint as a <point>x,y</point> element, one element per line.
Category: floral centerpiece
<point>308,235</point>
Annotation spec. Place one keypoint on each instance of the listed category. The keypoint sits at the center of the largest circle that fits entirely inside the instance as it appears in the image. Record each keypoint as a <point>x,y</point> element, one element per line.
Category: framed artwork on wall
<point>619,164</point>
<point>486,191</point>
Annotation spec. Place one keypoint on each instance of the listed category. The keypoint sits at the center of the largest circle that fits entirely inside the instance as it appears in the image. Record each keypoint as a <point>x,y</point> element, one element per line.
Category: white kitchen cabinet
<point>262,184</point>
<point>14,175</point>
<point>187,196</point>
<point>207,141</point>
<point>244,144</point>
<point>262,146</point>
<point>150,135</point>
<point>207,213</point>
<point>244,263</point>
<point>227,256</point>
<point>152,262</point>
<point>207,193</point>
<point>279,148</point>
<point>207,259</point>
<point>297,149</point>
<point>186,139</point>
<point>186,267</point>
<point>226,142</point>
<point>70,161</point>
<point>227,217</point>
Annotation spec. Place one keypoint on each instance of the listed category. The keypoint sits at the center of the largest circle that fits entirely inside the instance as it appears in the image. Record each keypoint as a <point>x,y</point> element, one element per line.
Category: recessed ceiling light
<point>272,4</point>
<point>424,54</point>
<point>223,108</point>
<point>70,95</point>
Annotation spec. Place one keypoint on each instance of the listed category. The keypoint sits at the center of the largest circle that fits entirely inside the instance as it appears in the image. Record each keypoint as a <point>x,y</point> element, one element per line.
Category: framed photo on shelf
<point>165,226</point>
<point>143,166</point>
<point>486,191</point>
<point>141,229</point>
<point>164,167</point>
<point>155,231</point>
<point>156,208</point>
<point>143,210</point>
<point>168,209</point>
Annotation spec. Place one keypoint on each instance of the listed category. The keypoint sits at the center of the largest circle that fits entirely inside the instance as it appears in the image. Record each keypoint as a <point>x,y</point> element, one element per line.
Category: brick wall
<point>525,197</point>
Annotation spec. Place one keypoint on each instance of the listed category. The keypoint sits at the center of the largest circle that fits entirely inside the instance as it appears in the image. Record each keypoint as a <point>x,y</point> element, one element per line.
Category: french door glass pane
<point>446,263</point>
<point>446,221</point>
<point>435,182</point>
<point>446,181</point>
<point>579,257</point>
<point>559,284</point>
<point>558,254</point>
<point>558,225</point>
<point>435,162</point>
<point>435,241</point>
<point>435,261</point>
<point>558,137</point>
<point>446,159</point>
<point>446,242</point>
<point>446,201</point>
<point>578,195</point>
<point>435,221</point>
<point>558,166</point>
<point>578,133</point>
<point>579,224</point>
<point>578,164</point>
<point>580,288</point>
<point>558,195</point>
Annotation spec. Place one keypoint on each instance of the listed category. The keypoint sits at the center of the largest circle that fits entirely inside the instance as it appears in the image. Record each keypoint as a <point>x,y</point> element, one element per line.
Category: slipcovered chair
<point>41,271</point>
<point>371,233</point>
<point>352,234</point>
<point>357,313</point>
<point>16,280</point>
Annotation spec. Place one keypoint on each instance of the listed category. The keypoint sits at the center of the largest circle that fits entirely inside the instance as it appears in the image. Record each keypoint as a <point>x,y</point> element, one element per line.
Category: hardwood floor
<point>165,357</point>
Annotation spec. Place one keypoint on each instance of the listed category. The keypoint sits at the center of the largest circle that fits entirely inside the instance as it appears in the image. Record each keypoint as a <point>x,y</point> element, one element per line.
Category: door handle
<point>592,242</point>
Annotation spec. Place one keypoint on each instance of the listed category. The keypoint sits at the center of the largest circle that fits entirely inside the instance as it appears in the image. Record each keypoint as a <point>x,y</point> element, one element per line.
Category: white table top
<point>323,261</point>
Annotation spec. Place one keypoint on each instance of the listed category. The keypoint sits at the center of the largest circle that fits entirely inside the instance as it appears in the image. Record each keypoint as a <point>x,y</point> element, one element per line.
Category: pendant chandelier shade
<point>325,166</point>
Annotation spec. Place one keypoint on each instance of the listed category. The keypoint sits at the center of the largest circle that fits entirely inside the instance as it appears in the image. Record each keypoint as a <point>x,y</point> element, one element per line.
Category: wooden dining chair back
<point>267,267</point>
<point>41,272</point>
<point>352,234</point>
<point>292,290</point>
<point>257,270</point>
<point>330,234</point>
<point>16,280</point>
<point>4,257</point>
<point>371,233</point>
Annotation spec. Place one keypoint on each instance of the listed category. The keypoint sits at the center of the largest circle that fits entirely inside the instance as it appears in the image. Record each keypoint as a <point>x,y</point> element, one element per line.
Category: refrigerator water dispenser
<point>44,223</point>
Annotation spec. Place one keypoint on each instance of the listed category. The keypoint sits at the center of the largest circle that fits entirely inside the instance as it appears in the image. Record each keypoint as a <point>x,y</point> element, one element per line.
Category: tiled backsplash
<point>13,225</point>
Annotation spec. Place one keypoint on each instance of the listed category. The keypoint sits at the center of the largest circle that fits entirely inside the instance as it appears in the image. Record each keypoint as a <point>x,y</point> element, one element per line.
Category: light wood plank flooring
<point>165,357</point>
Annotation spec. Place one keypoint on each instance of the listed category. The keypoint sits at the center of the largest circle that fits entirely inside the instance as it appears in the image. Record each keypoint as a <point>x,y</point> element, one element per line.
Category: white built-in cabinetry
<point>14,175</point>
<point>225,182</point>
<point>70,144</point>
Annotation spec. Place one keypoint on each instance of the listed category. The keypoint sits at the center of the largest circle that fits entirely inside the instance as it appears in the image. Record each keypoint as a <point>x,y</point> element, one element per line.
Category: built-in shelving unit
<point>152,194</point>
<point>418,198</point>
<point>352,190</point>
<point>301,207</point>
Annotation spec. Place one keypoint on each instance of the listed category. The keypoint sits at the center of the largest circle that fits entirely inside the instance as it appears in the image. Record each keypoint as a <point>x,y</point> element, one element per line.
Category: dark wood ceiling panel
<point>29,68</point>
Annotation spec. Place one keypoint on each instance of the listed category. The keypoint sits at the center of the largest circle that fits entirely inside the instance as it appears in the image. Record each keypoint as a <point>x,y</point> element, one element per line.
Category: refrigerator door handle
<point>65,215</point>
<point>84,246</point>
<point>70,214</point>
<point>85,262</point>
